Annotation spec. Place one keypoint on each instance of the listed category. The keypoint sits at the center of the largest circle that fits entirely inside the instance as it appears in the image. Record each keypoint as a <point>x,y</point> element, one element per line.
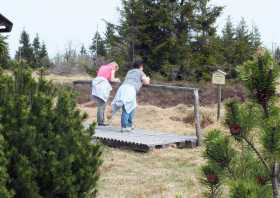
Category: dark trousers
<point>101,106</point>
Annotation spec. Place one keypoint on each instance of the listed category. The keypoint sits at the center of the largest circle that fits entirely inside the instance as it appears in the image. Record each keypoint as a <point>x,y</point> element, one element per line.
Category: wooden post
<point>219,102</point>
<point>197,117</point>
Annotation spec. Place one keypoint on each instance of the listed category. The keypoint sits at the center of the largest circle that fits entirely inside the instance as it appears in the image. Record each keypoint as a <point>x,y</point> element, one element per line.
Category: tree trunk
<point>275,183</point>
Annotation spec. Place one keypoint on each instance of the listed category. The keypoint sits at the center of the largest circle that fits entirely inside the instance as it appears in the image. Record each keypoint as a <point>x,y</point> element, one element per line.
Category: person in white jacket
<point>101,89</point>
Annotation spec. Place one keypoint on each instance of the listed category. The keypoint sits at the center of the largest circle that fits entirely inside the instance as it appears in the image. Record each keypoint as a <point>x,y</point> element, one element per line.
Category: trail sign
<point>219,78</point>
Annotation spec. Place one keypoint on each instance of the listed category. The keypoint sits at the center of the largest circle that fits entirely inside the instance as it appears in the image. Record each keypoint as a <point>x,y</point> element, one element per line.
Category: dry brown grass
<point>67,79</point>
<point>178,119</point>
<point>161,173</point>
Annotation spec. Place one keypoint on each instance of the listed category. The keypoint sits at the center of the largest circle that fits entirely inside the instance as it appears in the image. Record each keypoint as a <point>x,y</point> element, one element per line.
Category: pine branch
<point>230,172</point>
<point>227,167</point>
<point>258,153</point>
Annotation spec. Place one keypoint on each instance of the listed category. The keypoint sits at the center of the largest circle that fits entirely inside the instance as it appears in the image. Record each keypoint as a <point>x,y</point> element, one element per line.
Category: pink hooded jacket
<point>105,71</point>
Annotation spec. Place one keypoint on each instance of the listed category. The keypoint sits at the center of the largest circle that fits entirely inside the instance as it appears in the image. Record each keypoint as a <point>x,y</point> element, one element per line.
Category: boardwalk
<point>142,140</point>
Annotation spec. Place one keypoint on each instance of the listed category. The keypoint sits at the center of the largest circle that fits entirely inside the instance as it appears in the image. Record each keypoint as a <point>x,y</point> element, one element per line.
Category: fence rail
<point>174,87</point>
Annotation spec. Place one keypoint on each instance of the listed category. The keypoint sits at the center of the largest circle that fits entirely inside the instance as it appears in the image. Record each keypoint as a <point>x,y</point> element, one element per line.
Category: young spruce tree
<point>247,158</point>
<point>45,151</point>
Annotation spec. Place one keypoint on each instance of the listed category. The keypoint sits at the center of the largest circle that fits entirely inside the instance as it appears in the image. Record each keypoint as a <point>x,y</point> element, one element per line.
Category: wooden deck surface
<point>142,140</point>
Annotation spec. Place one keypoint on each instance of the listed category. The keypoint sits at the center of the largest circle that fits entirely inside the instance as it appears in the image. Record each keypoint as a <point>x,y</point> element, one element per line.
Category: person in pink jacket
<point>101,89</point>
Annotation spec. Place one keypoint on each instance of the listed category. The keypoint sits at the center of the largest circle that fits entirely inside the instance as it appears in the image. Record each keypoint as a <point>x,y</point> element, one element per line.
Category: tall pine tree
<point>242,45</point>
<point>255,39</point>
<point>178,39</point>
<point>161,32</point>
<point>205,45</point>
<point>36,50</point>
<point>43,56</point>
<point>116,46</point>
<point>83,51</point>
<point>228,42</point>
<point>97,47</point>
<point>25,51</point>
<point>110,39</point>
<point>43,51</point>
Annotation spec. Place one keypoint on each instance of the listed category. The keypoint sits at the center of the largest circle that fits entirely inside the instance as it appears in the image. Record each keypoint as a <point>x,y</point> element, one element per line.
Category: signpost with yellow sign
<point>219,79</point>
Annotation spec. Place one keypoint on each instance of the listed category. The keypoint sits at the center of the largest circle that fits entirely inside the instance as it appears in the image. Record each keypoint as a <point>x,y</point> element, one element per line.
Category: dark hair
<point>137,64</point>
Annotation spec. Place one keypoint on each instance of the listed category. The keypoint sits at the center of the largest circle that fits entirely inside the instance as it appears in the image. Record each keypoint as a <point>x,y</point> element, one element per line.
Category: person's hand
<point>117,80</point>
<point>148,80</point>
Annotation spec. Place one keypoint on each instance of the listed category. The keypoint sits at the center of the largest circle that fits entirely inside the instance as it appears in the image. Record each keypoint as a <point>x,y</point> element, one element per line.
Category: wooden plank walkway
<point>142,140</point>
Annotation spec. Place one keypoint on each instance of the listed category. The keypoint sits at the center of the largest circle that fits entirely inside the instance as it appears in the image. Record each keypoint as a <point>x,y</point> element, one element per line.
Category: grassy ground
<point>163,173</point>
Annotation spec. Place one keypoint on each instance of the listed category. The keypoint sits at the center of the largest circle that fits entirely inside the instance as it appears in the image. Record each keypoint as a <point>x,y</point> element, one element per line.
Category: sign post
<point>219,79</point>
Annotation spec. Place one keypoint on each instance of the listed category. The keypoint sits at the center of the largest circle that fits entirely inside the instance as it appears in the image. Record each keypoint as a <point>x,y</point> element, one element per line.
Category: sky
<point>60,22</point>
<point>263,13</point>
